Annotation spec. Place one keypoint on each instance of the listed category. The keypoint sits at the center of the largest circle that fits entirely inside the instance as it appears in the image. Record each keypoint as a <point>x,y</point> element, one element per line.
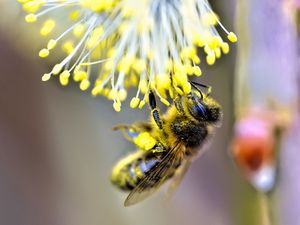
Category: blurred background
<point>57,146</point>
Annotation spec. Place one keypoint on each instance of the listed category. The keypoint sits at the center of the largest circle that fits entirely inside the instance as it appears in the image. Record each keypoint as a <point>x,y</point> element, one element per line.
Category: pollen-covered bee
<point>166,144</point>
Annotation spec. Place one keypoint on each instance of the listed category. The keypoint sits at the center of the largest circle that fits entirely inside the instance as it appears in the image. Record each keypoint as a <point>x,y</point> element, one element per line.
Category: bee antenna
<point>194,86</point>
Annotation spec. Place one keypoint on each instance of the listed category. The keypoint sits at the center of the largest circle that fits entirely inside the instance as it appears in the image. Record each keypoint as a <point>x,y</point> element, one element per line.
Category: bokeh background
<point>57,148</point>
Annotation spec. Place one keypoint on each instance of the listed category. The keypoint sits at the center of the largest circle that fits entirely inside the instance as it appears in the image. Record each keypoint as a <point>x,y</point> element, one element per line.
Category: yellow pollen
<point>122,94</point>
<point>97,90</point>
<point>179,91</point>
<point>56,69</point>
<point>118,40</point>
<point>197,71</point>
<point>68,47</point>
<point>164,101</point>
<point>225,47</point>
<point>30,18</point>
<point>51,44</point>
<point>63,81</point>
<point>79,30</point>
<point>187,88</point>
<point>44,53</point>
<point>74,15</point>
<point>232,37</point>
<point>117,106</point>
<point>65,74</point>
<point>142,103</point>
<point>47,27</point>
<point>134,102</point>
<point>84,84</point>
<point>46,77</point>
<point>210,58</point>
<point>80,75</point>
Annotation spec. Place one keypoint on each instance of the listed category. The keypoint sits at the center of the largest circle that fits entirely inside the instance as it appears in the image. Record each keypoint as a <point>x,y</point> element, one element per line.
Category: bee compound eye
<point>199,111</point>
<point>196,108</point>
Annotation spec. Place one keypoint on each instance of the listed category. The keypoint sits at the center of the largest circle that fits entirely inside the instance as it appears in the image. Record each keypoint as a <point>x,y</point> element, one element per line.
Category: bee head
<point>203,108</point>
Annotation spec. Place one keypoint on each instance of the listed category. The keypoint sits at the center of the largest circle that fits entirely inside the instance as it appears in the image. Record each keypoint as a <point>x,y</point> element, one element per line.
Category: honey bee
<point>166,144</point>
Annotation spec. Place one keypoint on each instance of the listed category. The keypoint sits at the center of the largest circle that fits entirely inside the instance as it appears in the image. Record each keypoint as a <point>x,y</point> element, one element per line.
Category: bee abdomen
<point>130,170</point>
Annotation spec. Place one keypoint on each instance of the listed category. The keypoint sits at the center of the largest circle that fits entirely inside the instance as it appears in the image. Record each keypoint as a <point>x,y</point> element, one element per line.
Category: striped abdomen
<point>130,170</point>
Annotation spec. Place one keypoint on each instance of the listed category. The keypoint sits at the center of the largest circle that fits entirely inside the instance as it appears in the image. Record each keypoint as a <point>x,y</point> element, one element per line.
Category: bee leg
<point>154,110</point>
<point>120,127</point>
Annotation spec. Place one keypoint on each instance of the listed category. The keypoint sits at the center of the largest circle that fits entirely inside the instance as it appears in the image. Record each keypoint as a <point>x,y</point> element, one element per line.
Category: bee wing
<point>178,177</point>
<point>157,176</point>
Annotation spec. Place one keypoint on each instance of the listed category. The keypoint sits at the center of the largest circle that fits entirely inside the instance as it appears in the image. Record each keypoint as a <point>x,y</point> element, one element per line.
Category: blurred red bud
<point>253,150</point>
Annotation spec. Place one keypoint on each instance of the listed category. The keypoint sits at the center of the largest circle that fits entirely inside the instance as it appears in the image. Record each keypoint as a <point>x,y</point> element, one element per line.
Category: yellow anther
<point>113,94</point>
<point>122,94</point>
<point>63,81</point>
<point>84,84</point>
<point>196,59</point>
<point>178,67</point>
<point>57,68</point>
<point>139,65</point>
<point>111,52</point>
<point>105,91</point>
<point>171,93</point>
<point>30,18</point>
<point>125,64</point>
<point>210,19</point>
<point>117,106</point>
<point>44,53</point>
<point>198,40</point>
<point>218,52</point>
<point>197,71</point>
<point>232,37</point>
<point>210,58</point>
<point>74,15</point>
<point>142,103</point>
<point>215,42</point>
<point>79,30</point>
<point>77,69</point>
<point>207,49</point>
<point>23,1</point>
<point>134,102</point>
<point>225,47</point>
<point>133,81</point>
<point>163,81</point>
<point>109,65</point>
<point>179,91</point>
<point>51,44</point>
<point>46,77</point>
<point>189,69</point>
<point>80,75</point>
<point>97,90</point>
<point>164,101</point>
<point>65,74</point>
<point>180,79</point>
<point>94,38</point>
<point>187,88</point>
<point>68,47</point>
<point>47,27</point>
<point>33,6</point>
<point>143,86</point>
